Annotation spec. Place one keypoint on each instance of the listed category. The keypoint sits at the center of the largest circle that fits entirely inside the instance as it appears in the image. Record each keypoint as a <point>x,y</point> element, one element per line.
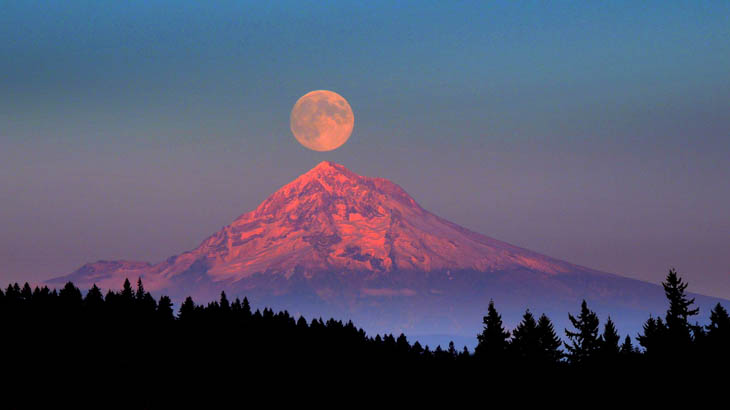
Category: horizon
<point>594,134</point>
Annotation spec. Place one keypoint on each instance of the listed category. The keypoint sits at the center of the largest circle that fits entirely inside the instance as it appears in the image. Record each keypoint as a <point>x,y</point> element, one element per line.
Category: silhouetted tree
<point>127,292</point>
<point>525,345</point>
<point>26,293</point>
<point>679,330</point>
<point>187,309</point>
<point>493,340</point>
<point>139,294</point>
<point>718,333</point>
<point>584,340</point>
<point>164,309</point>
<point>549,341</point>
<point>94,299</point>
<point>653,336</point>
<point>609,343</point>
<point>452,350</point>
<point>627,349</point>
<point>224,304</point>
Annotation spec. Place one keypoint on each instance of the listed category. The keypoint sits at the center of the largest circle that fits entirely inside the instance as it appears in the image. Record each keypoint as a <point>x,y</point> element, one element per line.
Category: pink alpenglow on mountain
<point>335,243</point>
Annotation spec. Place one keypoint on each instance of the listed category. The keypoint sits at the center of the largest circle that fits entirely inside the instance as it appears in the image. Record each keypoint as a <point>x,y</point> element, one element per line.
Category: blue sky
<point>593,132</point>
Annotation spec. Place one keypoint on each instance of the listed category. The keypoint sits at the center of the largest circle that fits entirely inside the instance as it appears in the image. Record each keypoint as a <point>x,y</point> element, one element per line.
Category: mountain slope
<point>335,243</point>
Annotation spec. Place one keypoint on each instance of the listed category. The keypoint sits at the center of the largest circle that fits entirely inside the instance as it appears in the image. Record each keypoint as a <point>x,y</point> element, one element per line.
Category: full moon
<point>322,120</point>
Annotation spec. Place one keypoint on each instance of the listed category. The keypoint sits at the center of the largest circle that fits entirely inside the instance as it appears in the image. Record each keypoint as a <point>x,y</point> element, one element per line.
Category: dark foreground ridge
<point>129,340</point>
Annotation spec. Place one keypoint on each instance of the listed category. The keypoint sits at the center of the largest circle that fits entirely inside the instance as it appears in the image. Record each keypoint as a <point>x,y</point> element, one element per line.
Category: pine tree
<point>26,293</point>
<point>225,305</point>
<point>718,332</point>
<point>584,340</point>
<point>493,340</point>
<point>164,309</point>
<point>187,310</point>
<point>609,343</point>
<point>719,323</point>
<point>452,350</point>
<point>627,348</point>
<point>127,294</point>
<point>549,341</point>
<point>525,344</point>
<point>679,331</point>
<point>139,295</point>
<point>94,299</point>
<point>246,308</point>
<point>653,336</point>
<point>402,345</point>
<point>416,349</point>
<point>70,296</point>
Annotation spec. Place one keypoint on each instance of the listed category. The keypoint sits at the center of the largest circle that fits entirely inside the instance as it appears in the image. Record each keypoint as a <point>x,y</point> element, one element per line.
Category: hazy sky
<point>594,132</point>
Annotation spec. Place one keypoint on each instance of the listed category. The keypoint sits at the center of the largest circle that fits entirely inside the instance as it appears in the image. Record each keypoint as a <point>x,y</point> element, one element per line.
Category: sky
<point>593,132</point>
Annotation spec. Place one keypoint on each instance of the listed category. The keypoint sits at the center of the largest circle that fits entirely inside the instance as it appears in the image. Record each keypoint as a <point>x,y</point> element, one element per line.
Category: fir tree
<point>610,339</point>
<point>94,299</point>
<point>493,338</point>
<point>525,344</point>
<point>718,332</point>
<point>127,294</point>
<point>187,310</point>
<point>584,340</point>
<point>164,309</point>
<point>679,331</point>
<point>452,349</point>
<point>549,341</point>
<point>139,295</point>
<point>224,304</point>
<point>246,308</point>
<point>27,293</point>
<point>70,296</point>
<point>653,336</point>
<point>627,348</point>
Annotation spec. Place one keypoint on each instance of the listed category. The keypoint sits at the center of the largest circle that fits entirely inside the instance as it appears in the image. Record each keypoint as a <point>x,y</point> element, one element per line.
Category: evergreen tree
<point>493,340</point>
<point>70,296</point>
<point>246,308</point>
<point>549,341</point>
<point>584,340</point>
<point>679,331</point>
<point>719,326</point>
<point>127,294</point>
<point>627,348</point>
<point>525,344</point>
<point>402,345</point>
<point>225,305</point>
<point>452,350</point>
<point>653,336</point>
<point>609,343</point>
<point>417,350</point>
<point>139,295</point>
<point>94,299</point>
<point>26,293</point>
<point>187,310</point>
<point>718,332</point>
<point>164,309</point>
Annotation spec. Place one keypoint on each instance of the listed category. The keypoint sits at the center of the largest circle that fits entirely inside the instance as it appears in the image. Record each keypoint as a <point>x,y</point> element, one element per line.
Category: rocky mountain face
<point>334,243</point>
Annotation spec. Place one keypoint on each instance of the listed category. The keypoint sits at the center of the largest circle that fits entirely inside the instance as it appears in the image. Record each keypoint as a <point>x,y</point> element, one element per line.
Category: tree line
<point>664,342</point>
<point>129,332</point>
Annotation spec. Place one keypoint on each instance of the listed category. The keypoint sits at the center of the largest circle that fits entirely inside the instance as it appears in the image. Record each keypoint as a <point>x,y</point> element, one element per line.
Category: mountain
<point>334,243</point>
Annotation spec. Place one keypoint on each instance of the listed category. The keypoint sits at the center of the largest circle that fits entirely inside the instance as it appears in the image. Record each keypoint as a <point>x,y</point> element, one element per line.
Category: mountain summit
<point>332,219</point>
<point>333,242</point>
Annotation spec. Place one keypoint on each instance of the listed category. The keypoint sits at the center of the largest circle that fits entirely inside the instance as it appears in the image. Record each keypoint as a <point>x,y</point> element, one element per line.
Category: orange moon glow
<point>322,120</point>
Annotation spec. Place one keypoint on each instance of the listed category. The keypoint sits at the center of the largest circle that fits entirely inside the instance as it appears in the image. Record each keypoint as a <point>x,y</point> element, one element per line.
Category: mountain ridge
<point>332,218</point>
<point>334,243</point>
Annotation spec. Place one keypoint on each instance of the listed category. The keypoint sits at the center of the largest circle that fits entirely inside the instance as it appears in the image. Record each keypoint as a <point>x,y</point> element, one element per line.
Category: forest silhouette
<point>129,335</point>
